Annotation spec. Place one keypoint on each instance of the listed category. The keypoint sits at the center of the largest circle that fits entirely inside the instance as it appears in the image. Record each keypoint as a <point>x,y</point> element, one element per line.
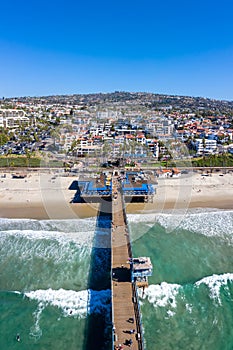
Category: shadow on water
<point>98,332</point>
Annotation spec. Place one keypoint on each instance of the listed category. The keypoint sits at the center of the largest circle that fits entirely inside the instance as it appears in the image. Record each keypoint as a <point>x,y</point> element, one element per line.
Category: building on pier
<point>134,187</point>
<point>141,269</point>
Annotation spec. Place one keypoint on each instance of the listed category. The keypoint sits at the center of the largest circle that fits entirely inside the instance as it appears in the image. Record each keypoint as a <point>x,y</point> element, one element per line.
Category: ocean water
<point>45,269</point>
<point>54,291</point>
<point>189,302</point>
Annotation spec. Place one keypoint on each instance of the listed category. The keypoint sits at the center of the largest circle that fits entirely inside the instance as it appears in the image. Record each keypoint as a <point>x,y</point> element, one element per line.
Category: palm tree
<point>7,154</point>
<point>225,158</point>
<point>73,147</point>
<point>55,135</point>
<point>28,157</point>
<point>106,151</point>
<point>133,146</point>
<point>122,150</point>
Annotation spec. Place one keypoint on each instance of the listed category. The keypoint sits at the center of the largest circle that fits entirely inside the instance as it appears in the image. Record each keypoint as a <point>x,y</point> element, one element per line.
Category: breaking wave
<point>67,226</point>
<point>215,283</point>
<point>209,223</point>
<point>166,294</point>
<point>73,303</point>
<point>161,294</point>
<point>79,238</point>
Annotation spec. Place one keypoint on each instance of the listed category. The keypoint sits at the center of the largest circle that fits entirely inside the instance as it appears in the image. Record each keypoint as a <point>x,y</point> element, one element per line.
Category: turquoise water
<point>44,281</point>
<point>45,289</point>
<point>189,303</point>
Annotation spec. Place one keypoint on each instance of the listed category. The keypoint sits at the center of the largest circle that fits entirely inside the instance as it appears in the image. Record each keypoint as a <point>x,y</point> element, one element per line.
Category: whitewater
<point>46,294</point>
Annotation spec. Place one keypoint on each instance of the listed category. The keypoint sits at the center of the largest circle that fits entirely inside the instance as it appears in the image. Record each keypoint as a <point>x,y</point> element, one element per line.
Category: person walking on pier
<point>131,320</point>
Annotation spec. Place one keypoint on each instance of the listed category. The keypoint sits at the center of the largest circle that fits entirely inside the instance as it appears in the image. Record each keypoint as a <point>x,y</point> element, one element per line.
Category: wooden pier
<point>128,273</point>
<point>125,306</point>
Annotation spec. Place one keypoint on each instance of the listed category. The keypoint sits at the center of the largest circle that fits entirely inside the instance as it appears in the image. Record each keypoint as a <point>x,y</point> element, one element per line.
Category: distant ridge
<point>147,99</point>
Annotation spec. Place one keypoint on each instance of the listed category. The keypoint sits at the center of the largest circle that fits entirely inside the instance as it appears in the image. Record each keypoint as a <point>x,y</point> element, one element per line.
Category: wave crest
<point>73,303</point>
<point>215,282</point>
<point>161,294</point>
<point>208,222</point>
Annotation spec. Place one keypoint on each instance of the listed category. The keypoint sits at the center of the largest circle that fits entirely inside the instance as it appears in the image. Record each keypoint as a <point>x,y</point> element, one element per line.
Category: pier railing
<point>139,335</point>
<point>113,329</point>
<point>127,226</point>
<point>138,320</point>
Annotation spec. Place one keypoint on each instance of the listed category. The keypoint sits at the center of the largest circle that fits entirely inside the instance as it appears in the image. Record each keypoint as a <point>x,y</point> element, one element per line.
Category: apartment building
<point>66,140</point>
<point>13,118</point>
<point>206,146</point>
<point>108,114</point>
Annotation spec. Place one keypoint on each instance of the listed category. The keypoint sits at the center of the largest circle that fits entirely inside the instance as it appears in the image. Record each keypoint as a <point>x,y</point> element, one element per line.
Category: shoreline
<point>47,196</point>
<point>82,211</point>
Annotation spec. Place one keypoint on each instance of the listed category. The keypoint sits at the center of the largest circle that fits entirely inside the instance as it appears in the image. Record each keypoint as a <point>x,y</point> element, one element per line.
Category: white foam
<point>5,221</point>
<point>170,313</point>
<point>58,258</point>
<point>71,225</point>
<point>164,294</point>
<point>161,295</point>
<point>79,238</point>
<point>16,292</point>
<point>215,282</point>
<point>74,303</point>
<point>189,308</point>
<point>74,225</point>
<point>35,330</point>
<point>206,221</point>
<point>135,218</point>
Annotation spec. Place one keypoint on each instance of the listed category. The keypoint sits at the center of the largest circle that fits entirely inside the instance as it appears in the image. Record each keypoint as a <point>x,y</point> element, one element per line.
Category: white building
<point>66,140</point>
<point>89,149</point>
<point>153,146</point>
<point>206,146</point>
<point>1,122</point>
<point>13,118</point>
<point>108,114</point>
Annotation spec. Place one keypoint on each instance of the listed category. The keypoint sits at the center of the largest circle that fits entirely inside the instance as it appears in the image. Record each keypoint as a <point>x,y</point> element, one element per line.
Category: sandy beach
<point>43,195</point>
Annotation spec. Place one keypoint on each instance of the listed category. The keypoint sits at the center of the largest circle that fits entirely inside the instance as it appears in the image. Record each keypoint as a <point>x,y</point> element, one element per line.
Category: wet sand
<point>39,212</point>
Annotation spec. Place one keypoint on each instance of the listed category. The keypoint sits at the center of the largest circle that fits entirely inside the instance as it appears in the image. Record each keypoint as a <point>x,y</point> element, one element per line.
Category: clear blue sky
<point>63,47</point>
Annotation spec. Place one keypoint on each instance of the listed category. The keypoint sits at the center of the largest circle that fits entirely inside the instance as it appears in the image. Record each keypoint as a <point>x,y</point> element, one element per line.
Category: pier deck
<point>125,316</point>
